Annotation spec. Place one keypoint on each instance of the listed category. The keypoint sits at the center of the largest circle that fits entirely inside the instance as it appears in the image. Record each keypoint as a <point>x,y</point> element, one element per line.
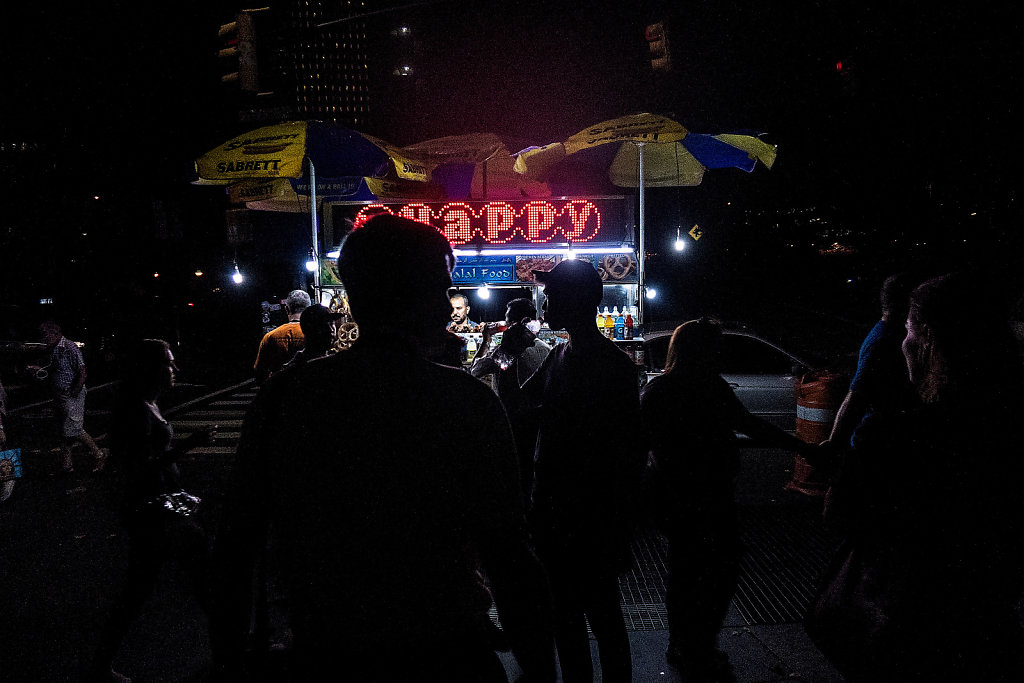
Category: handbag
<point>176,504</point>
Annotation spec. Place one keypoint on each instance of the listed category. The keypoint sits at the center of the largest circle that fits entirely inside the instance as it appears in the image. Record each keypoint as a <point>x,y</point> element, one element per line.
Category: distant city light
<point>156,274</point>
<point>199,273</point>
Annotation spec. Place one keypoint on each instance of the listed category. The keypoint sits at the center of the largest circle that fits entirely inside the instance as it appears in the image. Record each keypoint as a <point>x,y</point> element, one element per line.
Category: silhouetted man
<point>513,362</point>
<point>881,382</point>
<point>379,524</point>
<point>588,467</point>
<point>319,330</point>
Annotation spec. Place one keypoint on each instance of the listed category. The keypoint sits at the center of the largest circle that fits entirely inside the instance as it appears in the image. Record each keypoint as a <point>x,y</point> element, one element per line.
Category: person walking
<point>690,418</point>
<point>65,375</point>
<point>143,445</point>
<point>376,525</point>
<point>585,487</point>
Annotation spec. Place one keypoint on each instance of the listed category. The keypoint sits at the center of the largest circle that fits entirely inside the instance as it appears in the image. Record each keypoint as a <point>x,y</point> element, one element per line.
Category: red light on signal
<point>839,66</point>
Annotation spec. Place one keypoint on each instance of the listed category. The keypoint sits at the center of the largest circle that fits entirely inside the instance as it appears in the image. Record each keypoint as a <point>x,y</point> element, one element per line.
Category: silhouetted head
<point>318,328</point>
<point>573,290</point>
<point>397,273</point>
<point>149,368</point>
<point>958,337</point>
<point>895,296</point>
<point>695,346</point>
<point>518,309</point>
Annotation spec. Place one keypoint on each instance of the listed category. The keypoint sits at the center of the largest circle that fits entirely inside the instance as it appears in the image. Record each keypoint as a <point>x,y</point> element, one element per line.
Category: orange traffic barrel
<point>818,397</point>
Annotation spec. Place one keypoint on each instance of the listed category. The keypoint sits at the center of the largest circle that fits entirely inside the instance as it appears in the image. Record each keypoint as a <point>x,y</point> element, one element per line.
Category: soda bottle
<point>627,331</point>
<point>620,324</point>
<point>600,321</point>
<point>609,324</point>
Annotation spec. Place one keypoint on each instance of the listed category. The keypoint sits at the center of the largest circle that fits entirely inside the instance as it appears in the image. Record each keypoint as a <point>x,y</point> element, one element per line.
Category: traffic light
<point>237,53</point>
<point>847,73</point>
<point>657,42</point>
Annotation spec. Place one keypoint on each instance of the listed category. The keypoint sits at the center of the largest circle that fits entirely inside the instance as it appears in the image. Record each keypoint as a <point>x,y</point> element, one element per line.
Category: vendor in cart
<point>460,314</point>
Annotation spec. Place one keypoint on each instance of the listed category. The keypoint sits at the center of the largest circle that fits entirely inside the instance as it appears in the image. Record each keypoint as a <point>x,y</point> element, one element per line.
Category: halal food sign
<point>538,222</point>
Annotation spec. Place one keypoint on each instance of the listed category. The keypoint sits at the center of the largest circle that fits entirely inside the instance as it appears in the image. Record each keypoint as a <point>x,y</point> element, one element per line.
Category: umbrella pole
<point>642,290</point>
<point>315,229</point>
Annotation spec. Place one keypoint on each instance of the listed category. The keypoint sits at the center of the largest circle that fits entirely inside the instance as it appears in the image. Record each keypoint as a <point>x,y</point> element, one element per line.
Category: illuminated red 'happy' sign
<point>501,222</point>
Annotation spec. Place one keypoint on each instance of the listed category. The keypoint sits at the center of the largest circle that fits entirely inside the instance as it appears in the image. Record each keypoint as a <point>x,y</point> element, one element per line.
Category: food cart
<point>498,243</point>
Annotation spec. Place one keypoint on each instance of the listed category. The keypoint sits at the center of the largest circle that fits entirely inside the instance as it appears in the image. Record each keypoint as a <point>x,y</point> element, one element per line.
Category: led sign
<point>547,221</point>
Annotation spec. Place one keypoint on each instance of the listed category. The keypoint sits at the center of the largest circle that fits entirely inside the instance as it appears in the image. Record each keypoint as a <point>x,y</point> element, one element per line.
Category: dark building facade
<point>348,62</point>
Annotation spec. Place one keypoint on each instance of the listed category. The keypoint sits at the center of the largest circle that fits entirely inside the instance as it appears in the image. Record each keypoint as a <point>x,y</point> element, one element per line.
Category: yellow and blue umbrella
<point>286,150</point>
<point>273,166</point>
<point>672,155</point>
<point>650,150</point>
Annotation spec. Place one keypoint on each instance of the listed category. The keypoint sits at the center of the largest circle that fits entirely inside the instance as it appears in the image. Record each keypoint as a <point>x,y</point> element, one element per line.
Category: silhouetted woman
<point>926,583</point>
<point>691,417</point>
<point>142,445</point>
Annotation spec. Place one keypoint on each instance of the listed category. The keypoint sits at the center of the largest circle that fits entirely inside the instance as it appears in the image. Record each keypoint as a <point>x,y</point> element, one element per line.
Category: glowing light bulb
<point>651,292</point>
<point>237,276</point>
<point>484,292</point>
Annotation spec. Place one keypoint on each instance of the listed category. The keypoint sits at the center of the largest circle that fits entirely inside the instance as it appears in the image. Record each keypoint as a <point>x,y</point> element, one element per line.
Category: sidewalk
<point>60,542</point>
<point>61,560</point>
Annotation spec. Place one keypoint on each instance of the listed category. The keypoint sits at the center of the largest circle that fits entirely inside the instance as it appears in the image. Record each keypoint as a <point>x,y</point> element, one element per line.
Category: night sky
<point>913,137</point>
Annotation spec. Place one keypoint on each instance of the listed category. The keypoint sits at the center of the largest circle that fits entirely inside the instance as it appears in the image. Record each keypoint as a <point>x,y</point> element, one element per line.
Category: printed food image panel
<point>526,264</point>
<point>617,267</point>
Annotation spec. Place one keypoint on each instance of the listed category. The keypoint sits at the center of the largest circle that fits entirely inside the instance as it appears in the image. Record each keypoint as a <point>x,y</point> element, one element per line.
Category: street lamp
<point>680,243</point>
<point>237,276</point>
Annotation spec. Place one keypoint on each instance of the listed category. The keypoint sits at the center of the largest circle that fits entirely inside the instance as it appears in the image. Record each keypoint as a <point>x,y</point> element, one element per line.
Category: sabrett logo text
<point>248,165</point>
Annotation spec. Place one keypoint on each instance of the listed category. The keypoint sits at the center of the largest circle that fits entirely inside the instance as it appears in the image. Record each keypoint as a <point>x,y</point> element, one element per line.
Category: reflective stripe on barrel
<point>815,414</point>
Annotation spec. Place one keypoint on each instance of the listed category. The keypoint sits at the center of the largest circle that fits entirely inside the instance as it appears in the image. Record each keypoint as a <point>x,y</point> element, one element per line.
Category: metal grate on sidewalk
<point>642,588</point>
<point>787,549</point>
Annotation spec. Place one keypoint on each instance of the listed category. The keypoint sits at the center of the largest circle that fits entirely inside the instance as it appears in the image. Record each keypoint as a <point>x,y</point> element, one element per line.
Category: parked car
<point>763,374</point>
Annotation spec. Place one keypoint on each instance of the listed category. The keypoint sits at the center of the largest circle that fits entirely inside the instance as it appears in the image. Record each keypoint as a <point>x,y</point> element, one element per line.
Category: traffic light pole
<point>642,256</point>
<point>315,228</point>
